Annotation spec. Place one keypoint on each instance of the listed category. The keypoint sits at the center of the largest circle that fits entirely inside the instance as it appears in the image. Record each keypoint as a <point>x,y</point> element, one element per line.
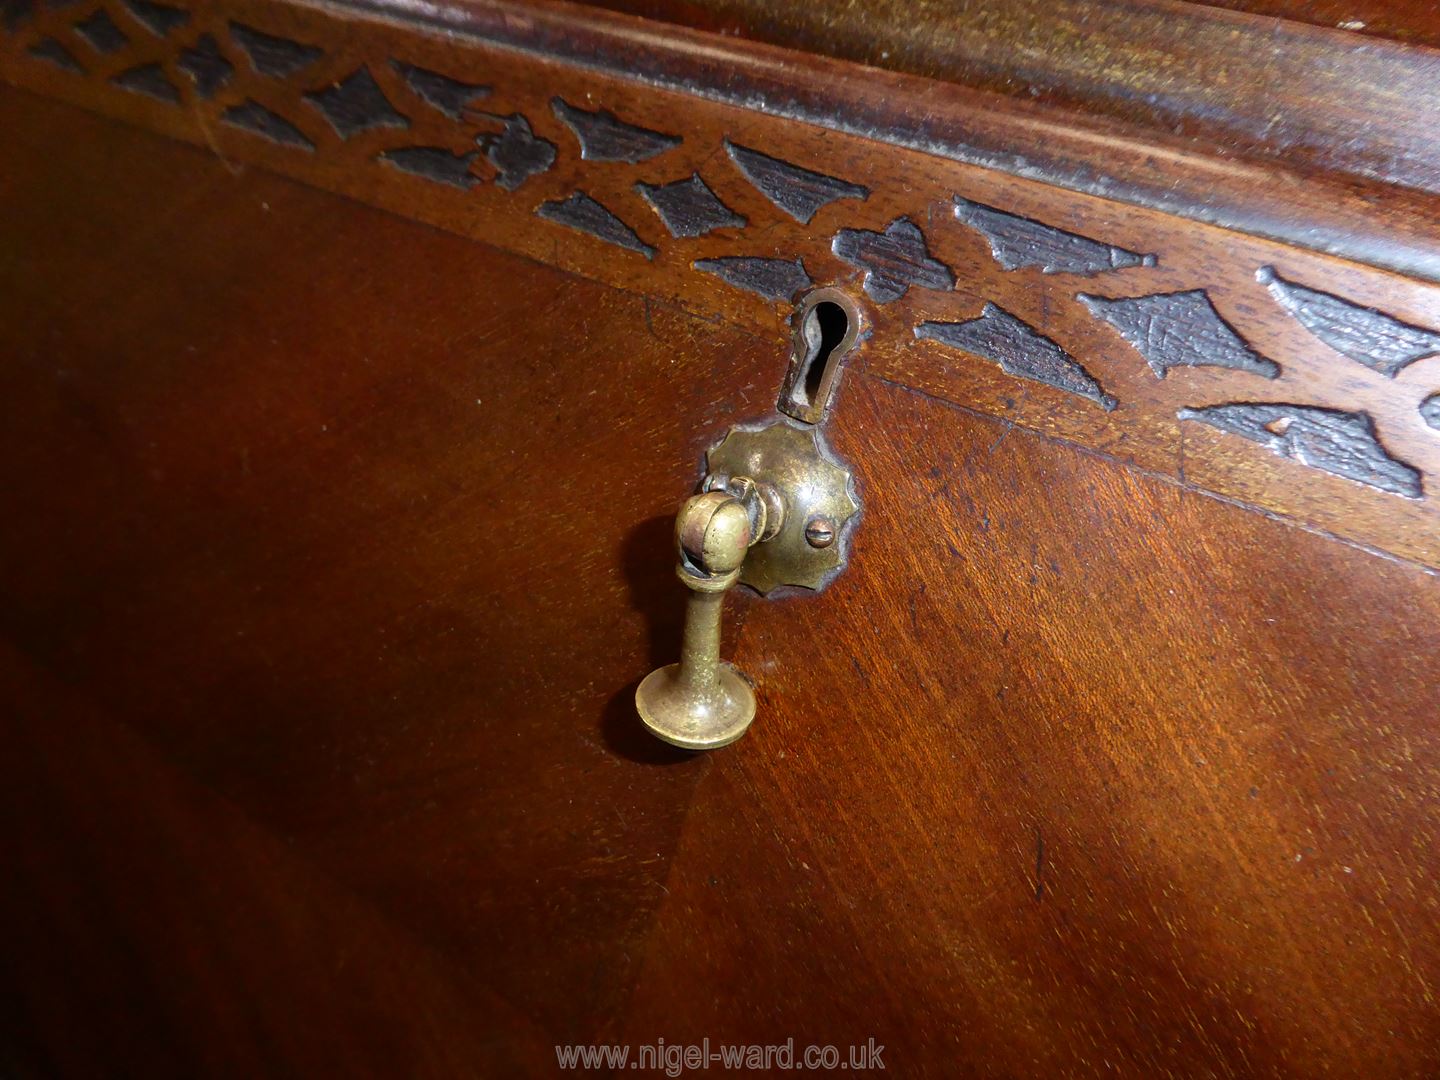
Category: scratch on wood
<point>584,214</point>
<point>448,95</point>
<point>774,279</point>
<point>893,260</point>
<point>516,152</point>
<point>1018,242</point>
<point>604,137</point>
<point>1039,865</point>
<point>689,208</point>
<point>1020,350</point>
<point>1365,335</point>
<point>1430,411</point>
<point>1180,329</point>
<point>1342,443</point>
<point>799,192</point>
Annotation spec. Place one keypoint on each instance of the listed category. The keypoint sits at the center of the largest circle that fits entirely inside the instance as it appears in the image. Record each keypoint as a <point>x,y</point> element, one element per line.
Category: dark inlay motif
<point>1363,334</point>
<point>434,163</point>
<point>893,260</point>
<point>799,192</point>
<point>159,19</point>
<point>273,55</point>
<point>581,212</point>
<point>101,33</point>
<point>148,79</point>
<point>1019,242</point>
<point>356,104</point>
<point>204,64</point>
<point>448,95</point>
<point>1430,411</point>
<point>52,52</point>
<point>774,279</point>
<point>1020,350</point>
<point>604,138</point>
<point>516,152</point>
<point>1180,329</point>
<point>689,207</point>
<point>253,116</point>
<point>1342,443</point>
<point>13,13</point>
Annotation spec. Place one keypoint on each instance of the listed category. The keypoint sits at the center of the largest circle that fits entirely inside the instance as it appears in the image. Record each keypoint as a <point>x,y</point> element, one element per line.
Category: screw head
<point>820,532</point>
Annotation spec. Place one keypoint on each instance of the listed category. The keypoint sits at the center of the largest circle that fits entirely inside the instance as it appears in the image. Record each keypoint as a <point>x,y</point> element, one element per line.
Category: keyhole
<point>827,326</point>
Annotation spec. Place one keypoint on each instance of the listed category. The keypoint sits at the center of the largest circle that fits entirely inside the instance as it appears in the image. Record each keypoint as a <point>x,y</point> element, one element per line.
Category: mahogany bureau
<point>357,357</point>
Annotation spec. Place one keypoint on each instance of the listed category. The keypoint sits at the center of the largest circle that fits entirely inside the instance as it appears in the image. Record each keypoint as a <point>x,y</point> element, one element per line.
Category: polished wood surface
<point>1326,146</point>
<point>1412,21</point>
<point>1324,83</point>
<point>321,755</point>
<point>1190,352</point>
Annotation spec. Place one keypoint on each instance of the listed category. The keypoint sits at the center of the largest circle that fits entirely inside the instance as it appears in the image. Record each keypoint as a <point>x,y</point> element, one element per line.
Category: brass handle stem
<point>700,647</point>
<point>702,702</point>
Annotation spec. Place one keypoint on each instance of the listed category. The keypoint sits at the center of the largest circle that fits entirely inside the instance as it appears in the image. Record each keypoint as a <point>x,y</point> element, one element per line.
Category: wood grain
<point>1040,787</point>
<point>1161,103</point>
<point>277,526</point>
<point>340,545</point>
<point>1275,79</point>
<point>156,928</point>
<point>896,227</point>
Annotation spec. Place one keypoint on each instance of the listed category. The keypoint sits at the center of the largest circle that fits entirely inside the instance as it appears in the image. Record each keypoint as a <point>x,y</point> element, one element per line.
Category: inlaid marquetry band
<point>1133,331</point>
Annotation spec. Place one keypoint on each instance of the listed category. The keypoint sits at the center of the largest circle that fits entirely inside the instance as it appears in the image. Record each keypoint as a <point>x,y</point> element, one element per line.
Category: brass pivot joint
<point>775,524</point>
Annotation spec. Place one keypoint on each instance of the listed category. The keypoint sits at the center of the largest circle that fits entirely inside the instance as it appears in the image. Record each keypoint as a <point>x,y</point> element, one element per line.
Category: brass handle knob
<point>702,702</point>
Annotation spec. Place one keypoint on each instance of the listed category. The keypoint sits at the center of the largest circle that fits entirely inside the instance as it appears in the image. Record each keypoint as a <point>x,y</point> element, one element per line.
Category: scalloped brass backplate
<point>818,497</point>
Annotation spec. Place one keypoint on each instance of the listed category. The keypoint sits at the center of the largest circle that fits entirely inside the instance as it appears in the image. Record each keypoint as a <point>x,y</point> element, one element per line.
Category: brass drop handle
<point>771,514</point>
<point>702,702</point>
